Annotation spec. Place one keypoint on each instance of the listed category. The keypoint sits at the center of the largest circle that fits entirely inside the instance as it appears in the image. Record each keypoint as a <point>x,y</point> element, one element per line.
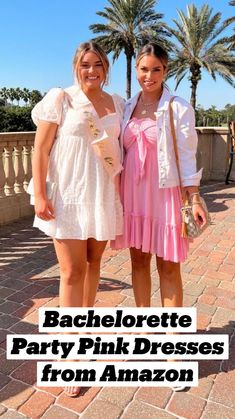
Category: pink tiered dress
<point>152,220</point>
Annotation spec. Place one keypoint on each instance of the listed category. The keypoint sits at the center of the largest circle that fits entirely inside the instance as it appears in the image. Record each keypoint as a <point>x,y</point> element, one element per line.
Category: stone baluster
<point>9,170</point>
<point>2,174</point>
<point>27,164</point>
<point>32,151</point>
<point>19,169</point>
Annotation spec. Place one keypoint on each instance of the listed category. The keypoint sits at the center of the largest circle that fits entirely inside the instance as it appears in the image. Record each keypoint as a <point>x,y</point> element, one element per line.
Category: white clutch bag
<point>50,189</point>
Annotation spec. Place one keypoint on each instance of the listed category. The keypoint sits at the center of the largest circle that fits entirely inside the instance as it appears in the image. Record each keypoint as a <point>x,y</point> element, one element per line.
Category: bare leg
<point>141,278</point>
<point>171,291</point>
<point>170,283</point>
<point>72,255</point>
<point>95,250</point>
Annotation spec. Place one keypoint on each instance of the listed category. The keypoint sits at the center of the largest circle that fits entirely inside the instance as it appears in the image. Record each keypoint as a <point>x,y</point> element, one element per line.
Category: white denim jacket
<point>184,121</point>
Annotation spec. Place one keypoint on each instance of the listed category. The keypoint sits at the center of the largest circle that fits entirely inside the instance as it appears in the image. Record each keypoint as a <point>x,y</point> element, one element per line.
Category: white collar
<point>77,96</point>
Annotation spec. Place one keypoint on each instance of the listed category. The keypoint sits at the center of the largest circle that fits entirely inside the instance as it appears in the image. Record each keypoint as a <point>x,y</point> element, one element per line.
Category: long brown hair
<point>153,49</point>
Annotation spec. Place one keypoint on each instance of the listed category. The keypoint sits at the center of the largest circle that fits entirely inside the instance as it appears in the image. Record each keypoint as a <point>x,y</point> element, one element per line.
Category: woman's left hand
<point>199,214</point>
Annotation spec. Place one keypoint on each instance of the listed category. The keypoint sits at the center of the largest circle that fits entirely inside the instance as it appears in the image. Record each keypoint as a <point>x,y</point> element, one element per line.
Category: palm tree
<point>130,23</point>
<point>199,47</point>
<point>4,93</point>
<point>25,95</point>
<point>232,39</point>
<point>34,97</point>
<point>12,95</point>
<point>18,95</point>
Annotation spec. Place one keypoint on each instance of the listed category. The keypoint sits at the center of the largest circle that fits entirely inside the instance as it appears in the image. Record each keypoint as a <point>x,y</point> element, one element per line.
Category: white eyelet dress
<point>86,201</point>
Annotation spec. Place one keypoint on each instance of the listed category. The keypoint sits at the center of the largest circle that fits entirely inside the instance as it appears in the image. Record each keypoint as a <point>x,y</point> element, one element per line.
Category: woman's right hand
<point>44,209</point>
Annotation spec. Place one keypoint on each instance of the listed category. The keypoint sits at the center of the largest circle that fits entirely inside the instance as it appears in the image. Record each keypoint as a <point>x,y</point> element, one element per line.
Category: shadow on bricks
<point>109,284</point>
<point>29,279</point>
<point>212,195</point>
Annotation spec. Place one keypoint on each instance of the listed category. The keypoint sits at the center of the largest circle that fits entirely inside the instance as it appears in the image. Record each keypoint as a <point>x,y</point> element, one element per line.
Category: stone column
<point>9,170</point>
<point>19,169</point>
<point>2,174</point>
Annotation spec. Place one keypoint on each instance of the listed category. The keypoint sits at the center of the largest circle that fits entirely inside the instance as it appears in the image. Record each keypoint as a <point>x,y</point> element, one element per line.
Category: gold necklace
<point>148,105</point>
<point>95,101</point>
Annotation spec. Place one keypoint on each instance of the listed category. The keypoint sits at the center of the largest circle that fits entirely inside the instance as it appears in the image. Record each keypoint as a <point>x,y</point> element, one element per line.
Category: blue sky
<point>38,40</point>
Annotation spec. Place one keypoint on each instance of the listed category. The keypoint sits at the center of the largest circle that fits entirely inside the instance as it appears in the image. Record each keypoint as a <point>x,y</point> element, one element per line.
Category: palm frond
<point>219,30</point>
<point>200,46</point>
<point>130,23</point>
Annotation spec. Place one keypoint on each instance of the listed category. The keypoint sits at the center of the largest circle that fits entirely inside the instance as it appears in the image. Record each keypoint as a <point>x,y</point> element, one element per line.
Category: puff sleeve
<point>50,107</point>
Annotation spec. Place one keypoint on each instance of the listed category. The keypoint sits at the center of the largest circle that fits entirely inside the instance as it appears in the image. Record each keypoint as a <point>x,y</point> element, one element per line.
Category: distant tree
<point>213,116</point>
<point>11,95</point>
<point>4,94</point>
<point>200,116</point>
<point>199,47</point>
<point>35,97</point>
<point>130,23</point>
<point>229,112</point>
<point>16,119</point>
<point>18,95</point>
<point>25,95</point>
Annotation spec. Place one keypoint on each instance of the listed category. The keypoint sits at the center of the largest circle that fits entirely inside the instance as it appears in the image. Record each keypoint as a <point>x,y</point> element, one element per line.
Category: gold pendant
<point>144,112</point>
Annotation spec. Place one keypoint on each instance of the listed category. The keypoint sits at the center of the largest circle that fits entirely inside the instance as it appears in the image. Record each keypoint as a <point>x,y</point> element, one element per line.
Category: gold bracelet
<point>194,193</point>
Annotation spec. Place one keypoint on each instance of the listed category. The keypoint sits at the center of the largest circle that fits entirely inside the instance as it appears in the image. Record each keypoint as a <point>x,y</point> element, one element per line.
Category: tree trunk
<point>193,95</point>
<point>195,71</point>
<point>128,75</point>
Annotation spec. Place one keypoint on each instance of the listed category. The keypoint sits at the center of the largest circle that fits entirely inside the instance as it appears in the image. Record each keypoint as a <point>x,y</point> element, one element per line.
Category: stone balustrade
<point>16,170</point>
<point>213,153</point>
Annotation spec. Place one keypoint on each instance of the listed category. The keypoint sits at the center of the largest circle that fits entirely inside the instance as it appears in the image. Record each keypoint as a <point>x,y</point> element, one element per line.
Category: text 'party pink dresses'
<point>152,220</point>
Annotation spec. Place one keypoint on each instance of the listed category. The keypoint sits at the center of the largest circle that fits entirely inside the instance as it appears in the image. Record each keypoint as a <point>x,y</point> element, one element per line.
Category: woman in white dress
<point>77,154</point>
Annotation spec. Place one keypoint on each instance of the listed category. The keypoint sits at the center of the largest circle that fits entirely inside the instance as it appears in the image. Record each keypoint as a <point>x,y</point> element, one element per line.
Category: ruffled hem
<point>147,234</point>
<point>83,222</point>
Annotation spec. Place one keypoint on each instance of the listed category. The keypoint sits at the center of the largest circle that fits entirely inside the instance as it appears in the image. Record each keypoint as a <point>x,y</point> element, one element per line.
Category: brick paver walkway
<point>29,279</point>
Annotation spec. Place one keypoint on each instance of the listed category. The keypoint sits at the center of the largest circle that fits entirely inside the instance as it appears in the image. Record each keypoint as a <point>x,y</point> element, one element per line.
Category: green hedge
<point>15,119</point>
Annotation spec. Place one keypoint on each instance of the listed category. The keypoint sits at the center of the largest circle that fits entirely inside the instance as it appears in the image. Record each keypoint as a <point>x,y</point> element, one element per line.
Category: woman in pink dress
<point>150,189</point>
